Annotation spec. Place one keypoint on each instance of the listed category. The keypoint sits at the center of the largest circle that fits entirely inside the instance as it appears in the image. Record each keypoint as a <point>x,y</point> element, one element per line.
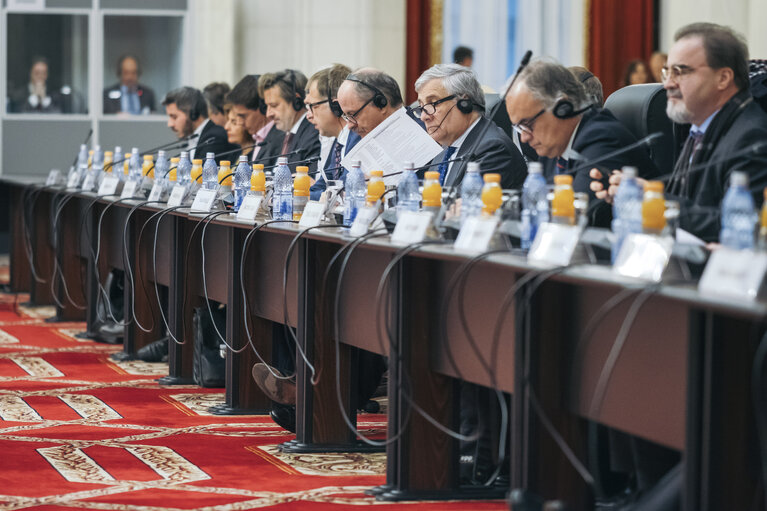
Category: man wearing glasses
<point>706,81</point>
<point>325,113</point>
<point>367,97</point>
<point>549,108</point>
<point>451,103</point>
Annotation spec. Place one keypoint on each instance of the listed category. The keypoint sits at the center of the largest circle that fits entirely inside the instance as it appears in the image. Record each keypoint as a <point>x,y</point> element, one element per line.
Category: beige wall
<point>745,16</point>
<point>258,36</point>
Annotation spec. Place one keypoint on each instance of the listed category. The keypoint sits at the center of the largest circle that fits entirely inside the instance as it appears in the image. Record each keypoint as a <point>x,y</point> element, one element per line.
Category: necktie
<point>445,164</point>
<point>691,148</point>
<point>135,103</point>
<point>337,150</point>
<point>561,165</point>
<point>286,142</point>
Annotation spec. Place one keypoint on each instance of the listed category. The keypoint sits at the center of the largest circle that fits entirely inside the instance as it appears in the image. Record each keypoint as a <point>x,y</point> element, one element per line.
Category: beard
<point>678,112</point>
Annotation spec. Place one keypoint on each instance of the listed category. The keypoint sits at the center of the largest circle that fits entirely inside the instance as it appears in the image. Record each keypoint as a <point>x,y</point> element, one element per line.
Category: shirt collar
<point>343,137</point>
<point>569,153</point>
<point>294,129</point>
<point>196,140</point>
<point>460,140</point>
<point>704,126</point>
<point>261,134</point>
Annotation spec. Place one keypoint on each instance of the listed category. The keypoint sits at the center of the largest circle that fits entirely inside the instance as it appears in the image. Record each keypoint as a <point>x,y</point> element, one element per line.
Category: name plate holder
<point>411,227</point>
<point>475,234</point>
<point>177,196</point>
<point>109,185</point>
<point>312,215</point>
<point>203,201</point>
<point>644,256</point>
<point>74,179</point>
<point>557,245</point>
<point>130,190</point>
<point>734,273</point>
<point>54,177</point>
<point>157,193</point>
<point>89,183</point>
<point>362,221</point>
<point>249,208</point>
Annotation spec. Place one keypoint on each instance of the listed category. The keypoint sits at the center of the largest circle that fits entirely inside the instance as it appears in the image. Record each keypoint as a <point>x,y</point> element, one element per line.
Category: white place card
<point>129,190</point>
<point>362,221</point>
<point>109,185</point>
<point>554,244</point>
<point>476,233</point>
<point>53,177</point>
<point>249,207</point>
<point>203,201</point>
<point>411,227</point>
<point>312,216</point>
<point>735,273</point>
<point>89,183</point>
<point>177,195</point>
<point>644,256</point>
<point>73,179</point>
<point>157,192</point>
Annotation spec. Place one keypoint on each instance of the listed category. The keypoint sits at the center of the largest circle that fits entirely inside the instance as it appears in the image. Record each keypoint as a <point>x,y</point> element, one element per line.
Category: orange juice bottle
<point>492,195</point>
<point>90,159</point>
<point>196,172</point>
<point>432,190</point>
<point>653,208</point>
<point>258,179</point>
<point>173,165</point>
<point>763,223</point>
<point>126,166</point>
<point>225,173</point>
<point>563,204</point>
<point>376,187</point>
<point>301,184</point>
<point>108,157</point>
<point>147,168</point>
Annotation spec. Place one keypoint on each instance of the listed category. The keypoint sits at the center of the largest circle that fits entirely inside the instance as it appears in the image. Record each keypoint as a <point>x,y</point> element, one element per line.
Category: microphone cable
<point>57,263</point>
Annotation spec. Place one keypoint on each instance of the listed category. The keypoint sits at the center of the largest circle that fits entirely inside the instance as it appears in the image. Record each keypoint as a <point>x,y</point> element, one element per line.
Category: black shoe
<point>122,356</point>
<point>110,333</point>
<point>284,416</point>
<point>154,351</point>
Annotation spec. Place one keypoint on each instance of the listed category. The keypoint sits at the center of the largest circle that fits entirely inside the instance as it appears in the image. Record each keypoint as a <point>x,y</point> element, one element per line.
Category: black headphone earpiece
<point>564,109</point>
<point>465,106</point>
<point>298,96</point>
<point>332,103</point>
<point>262,106</point>
<point>379,99</point>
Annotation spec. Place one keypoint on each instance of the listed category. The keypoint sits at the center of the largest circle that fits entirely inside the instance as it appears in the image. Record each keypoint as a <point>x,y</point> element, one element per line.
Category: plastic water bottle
<point>627,209</point>
<point>161,167</point>
<point>535,208</point>
<point>210,172</point>
<point>282,199</point>
<point>183,171</point>
<point>471,192</point>
<point>82,162</point>
<point>354,193</point>
<point>738,214</point>
<point>117,163</point>
<point>241,181</point>
<point>134,172</point>
<point>408,197</point>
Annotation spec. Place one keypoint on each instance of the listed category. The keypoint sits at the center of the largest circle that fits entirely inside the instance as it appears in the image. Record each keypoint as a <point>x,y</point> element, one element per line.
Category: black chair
<point>642,109</point>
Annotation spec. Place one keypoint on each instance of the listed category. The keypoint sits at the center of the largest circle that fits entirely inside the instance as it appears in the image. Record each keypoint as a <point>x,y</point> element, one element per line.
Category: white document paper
<point>396,140</point>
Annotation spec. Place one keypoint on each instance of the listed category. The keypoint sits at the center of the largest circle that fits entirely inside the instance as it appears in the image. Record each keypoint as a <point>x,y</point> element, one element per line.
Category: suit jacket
<point>213,139</point>
<point>307,142</point>
<point>267,155</point>
<point>320,185</point>
<point>495,153</point>
<point>112,99</point>
<point>738,124</point>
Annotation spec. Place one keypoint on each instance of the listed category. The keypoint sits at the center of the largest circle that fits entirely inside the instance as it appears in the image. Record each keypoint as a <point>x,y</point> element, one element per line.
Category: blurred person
<point>657,62</point>
<point>214,96</point>
<point>591,83</point>
<point>236,133</point>
<point>463,55</point>
<point>188,114</point>
<point>367,97</point>
<point>37,96</point>
<point>128,96</point>
<point>636,73</point>
<point>250,109</point>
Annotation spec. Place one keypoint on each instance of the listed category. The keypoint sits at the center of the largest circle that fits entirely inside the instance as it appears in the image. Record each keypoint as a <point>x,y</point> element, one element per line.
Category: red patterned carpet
<point>80,431</point>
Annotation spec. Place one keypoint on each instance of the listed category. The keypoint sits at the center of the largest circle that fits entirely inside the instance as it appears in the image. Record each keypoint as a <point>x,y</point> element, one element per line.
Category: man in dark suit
<point>451,103</point>
<point>283,93</point>
<point>324,112</point>
<point>128,96</point>
<point>187,115</point>
<point>707,85</point>
<point>251,110</point>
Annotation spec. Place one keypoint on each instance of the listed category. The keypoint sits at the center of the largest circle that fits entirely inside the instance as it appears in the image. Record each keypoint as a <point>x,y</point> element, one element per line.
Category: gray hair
<point>379,80</point>
<point>457,80</point>
<point>550,81</point>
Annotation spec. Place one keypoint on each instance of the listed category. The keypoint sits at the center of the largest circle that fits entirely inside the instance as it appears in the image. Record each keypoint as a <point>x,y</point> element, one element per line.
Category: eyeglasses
<point>430,108</point>
<point>353,116</point>
<point>676,71</point>
<point>526,127</point>
<point>310,106</point>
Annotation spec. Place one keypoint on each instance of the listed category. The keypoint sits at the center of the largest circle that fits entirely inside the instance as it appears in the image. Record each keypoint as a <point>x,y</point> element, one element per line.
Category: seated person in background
<point>214,96</point>
<point>636,73</point>
<point>128,96</point>
<point>591,83</point>
<point>657,63</point>
<point>36,96</point>
<point>325,113</point>
<point>463,56</point>
<point>188,114</point>
<point>451,104</point>
<point>250,109</point>
<point>367,97</point>
<point>283,93</point>
<point>549,109</point>
<point>707,85</point>
<point>237,134</point>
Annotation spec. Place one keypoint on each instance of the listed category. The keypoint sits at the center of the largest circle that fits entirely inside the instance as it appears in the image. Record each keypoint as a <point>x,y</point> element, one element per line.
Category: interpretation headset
<point>333,103</point>
<point>298,96</point>
<point>198,103</point>
<point>465,105</point>
<point>564,109</point>
<point>261,102</point>
<point>379,99</point>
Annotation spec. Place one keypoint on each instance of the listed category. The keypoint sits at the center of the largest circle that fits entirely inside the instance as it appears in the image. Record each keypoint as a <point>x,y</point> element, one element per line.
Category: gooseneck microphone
<point>648,140</point>
<point>299,162</point>
<point>169,145</point>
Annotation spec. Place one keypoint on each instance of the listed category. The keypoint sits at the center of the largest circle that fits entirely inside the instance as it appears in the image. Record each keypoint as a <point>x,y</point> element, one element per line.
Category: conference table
<point>566,347</point>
